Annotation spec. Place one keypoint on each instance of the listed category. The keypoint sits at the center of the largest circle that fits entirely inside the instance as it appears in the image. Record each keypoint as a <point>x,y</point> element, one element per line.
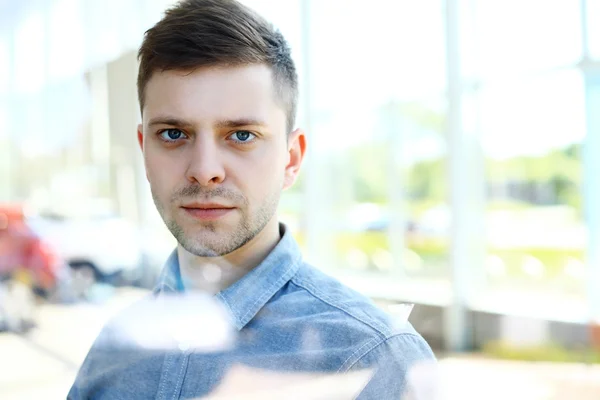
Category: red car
<point>25,257</point>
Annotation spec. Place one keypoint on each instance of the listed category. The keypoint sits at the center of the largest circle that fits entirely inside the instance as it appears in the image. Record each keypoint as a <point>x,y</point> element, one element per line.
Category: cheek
<point>254,175</point>
<point>162,173</point>
<point>266,176</point>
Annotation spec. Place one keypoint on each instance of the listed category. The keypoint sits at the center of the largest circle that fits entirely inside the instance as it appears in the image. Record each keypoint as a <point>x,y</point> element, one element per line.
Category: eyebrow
<point>235,123</point>
<point>228,123</point>
<point>168,121</point>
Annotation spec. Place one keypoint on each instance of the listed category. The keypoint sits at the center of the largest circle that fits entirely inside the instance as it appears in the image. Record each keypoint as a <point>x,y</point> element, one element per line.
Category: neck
<point>214,274</point>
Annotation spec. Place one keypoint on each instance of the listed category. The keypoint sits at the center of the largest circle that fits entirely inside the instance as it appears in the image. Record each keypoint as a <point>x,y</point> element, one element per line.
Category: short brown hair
<point>199,33</point>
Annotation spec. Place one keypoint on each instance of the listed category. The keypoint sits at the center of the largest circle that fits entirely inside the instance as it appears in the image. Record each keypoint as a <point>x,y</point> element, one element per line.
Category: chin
<point>201,248</point>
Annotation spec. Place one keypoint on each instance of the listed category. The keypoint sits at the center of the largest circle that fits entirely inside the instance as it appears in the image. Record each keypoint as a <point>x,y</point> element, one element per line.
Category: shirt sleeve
<point>392,361</point>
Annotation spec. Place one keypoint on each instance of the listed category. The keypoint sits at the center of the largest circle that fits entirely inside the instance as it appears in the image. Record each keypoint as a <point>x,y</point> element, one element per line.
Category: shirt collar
<point>169,280</point>
<point>249,294</point>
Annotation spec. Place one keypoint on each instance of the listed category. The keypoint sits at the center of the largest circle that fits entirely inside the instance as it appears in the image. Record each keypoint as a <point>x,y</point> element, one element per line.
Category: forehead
<point>213,93</point>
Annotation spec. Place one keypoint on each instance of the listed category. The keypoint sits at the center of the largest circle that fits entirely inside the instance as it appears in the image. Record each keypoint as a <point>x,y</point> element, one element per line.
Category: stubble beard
<point>215,238</point>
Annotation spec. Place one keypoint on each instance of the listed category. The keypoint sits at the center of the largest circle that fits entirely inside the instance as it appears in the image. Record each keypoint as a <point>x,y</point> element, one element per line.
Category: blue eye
<point>242,136</point>
<point>171,135</point>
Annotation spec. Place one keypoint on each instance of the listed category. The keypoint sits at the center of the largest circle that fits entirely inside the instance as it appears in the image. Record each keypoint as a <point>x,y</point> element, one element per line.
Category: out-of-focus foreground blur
<point>454,148</point>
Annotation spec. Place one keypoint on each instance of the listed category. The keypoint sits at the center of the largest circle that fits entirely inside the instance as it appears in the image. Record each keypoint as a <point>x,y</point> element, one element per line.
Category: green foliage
<point>560,169</point>
<point>427,180</point>
<point>367,165</point>
<point>367,242</point>
<point>370,242</point>
<point>553,259</point>
<point>434,253</point>
<point>548,352</point>
<point>418,113</point>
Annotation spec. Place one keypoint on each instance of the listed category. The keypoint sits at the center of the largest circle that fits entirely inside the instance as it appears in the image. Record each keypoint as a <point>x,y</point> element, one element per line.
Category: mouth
<point>207,211</point>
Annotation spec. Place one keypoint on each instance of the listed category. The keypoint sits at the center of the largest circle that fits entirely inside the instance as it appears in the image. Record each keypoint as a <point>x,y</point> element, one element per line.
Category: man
<point>218,92</point>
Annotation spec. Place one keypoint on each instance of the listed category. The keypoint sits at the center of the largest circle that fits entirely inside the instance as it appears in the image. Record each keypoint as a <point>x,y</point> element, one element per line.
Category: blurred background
<point>453,153</point>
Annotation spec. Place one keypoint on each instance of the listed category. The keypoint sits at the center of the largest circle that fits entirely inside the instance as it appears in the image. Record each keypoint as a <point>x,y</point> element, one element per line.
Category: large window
<point>374,197</point>
<point>531,119</point>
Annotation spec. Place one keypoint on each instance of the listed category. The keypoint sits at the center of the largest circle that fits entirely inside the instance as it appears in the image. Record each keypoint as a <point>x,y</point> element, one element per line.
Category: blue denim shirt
<point>274,309</point>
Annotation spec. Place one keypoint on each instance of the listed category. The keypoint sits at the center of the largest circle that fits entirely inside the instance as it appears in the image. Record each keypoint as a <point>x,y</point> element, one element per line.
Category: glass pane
<point>593,28</point>
<point>5,67</point>
<point>376,133</point>
<point>377,129</point>
<point>515,36</point>
<point>533,131</point>
<point>29,55</point>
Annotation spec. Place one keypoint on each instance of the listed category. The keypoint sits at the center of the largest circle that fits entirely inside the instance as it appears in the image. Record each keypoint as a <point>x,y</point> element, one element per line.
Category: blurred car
<point>99,249</point>
<point>26,256</point>
<point>369,217</point>
<point>28,266</point>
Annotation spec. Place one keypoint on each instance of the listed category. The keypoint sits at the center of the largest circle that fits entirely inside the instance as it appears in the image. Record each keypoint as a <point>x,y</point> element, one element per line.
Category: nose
<point>205,164</point>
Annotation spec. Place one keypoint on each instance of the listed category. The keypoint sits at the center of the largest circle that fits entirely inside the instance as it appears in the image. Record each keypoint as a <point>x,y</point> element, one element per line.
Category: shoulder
<point>330,295</point>
<point>371,337</point>
<point>397,363</point>
<point>392,349</point>
<point>353,319</point>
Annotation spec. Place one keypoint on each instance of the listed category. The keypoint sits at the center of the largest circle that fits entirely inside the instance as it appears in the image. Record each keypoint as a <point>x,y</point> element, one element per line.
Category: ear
<point>140,136</point>
<point>296,150</point>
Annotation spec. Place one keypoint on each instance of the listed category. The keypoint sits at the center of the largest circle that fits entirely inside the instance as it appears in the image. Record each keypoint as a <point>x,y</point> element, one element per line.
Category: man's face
<point>216,154</point>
